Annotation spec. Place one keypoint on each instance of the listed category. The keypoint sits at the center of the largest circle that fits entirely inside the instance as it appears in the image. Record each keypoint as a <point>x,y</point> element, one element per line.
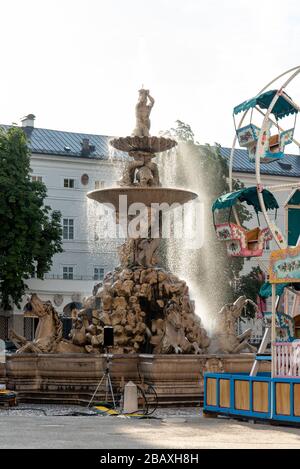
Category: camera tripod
<point>108,384</point>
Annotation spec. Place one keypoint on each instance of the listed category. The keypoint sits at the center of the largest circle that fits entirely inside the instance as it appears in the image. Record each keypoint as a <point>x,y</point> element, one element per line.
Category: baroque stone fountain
<point>149,307</point>
<point>157,335</point>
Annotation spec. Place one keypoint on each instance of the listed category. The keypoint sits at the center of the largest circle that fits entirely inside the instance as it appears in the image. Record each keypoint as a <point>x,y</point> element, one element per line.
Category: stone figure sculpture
<point>48,334</point>
<point>170,334</point>
<point>142,171</point>
<point>146,307</point>
<point>149,310</point>
<point>145,249</point>
<point>142,112</point>
<point>226,339</point>
<point>174,327</point>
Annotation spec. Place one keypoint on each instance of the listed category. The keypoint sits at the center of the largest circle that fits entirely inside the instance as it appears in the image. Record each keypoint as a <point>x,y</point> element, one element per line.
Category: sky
<point>77,64</point>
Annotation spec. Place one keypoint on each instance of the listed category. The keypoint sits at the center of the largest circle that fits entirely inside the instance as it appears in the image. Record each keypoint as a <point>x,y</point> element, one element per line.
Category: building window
<point>37,178</point>
<point>69,183</point>
<point>99,184</point>
<point>68,272</point>
<point>29,326</point>
<point>98,273</point>
<point>68,228</point>
<point>4,327</point>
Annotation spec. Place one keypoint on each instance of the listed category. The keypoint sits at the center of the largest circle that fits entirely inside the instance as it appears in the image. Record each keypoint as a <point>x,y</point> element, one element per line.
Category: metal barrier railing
<point>287,359</point>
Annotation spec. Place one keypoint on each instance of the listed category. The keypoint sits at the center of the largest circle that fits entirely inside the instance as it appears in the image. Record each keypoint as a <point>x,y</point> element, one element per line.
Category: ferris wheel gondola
<point>242,242</point>
<point>273,144</point>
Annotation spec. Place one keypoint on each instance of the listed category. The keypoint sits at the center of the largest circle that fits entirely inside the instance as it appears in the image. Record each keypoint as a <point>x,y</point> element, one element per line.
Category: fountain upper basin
<point>146,144</point>
<point>144,195</point>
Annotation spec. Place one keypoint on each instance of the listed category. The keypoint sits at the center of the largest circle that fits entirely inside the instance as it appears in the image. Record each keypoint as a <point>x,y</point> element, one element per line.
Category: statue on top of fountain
<point>141,142</point>
<point>141,171</point>
<point>142,112</point>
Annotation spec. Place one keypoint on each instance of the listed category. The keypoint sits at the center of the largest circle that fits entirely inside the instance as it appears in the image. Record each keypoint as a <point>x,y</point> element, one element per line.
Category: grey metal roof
<point>59,142</point>
<point>55,142</point>
<point>289,166</point>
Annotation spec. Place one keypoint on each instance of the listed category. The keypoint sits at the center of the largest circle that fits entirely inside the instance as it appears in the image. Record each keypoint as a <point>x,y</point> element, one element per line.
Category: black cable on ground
<point>150,386</point>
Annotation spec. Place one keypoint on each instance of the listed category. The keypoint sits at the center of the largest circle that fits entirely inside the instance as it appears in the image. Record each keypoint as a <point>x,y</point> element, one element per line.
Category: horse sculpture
<point>48,335</point>
<point>170,333</point>
<point>226,339</point>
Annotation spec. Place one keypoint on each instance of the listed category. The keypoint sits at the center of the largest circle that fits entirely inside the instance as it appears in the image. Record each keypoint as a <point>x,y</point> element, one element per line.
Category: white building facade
<point>70,165</point>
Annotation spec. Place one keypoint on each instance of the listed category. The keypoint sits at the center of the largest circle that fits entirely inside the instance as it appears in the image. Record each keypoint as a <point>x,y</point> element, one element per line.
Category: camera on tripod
<point>108,336</point>
<point>108,341</point>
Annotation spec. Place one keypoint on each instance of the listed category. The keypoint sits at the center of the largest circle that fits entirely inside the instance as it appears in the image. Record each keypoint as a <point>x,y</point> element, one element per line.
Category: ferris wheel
<point>265,143</point>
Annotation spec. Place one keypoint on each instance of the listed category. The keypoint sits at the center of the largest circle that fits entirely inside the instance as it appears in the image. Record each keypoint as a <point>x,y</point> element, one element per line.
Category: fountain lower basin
<point>144,195</point>
<point>72,378</point>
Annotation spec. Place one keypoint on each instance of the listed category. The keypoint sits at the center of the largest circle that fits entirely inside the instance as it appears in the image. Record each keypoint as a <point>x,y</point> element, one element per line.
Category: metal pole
<point>273,330</point>
<point>283,187</point>
<point>111,390</point>
<point>99,384</point>
<point>257,171</point>
<point>273,339</point>
<point>291,102</point>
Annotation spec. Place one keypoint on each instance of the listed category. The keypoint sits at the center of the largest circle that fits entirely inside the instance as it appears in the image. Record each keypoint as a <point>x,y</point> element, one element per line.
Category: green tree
<point>249,285</point>
<point>183,132</point>
<point>30,231</point>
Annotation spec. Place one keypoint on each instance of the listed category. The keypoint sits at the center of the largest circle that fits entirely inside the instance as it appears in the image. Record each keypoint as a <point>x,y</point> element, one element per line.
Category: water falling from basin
<point>200,267</point>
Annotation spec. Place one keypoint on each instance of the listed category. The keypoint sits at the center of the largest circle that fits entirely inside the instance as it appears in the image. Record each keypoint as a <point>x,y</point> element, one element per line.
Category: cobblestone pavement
<point>54,426</point>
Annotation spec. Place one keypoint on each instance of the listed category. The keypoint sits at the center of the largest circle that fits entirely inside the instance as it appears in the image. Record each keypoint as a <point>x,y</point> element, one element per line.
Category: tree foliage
<point>30,231</point>
<point>249,285</point>
<point>183,132</point>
